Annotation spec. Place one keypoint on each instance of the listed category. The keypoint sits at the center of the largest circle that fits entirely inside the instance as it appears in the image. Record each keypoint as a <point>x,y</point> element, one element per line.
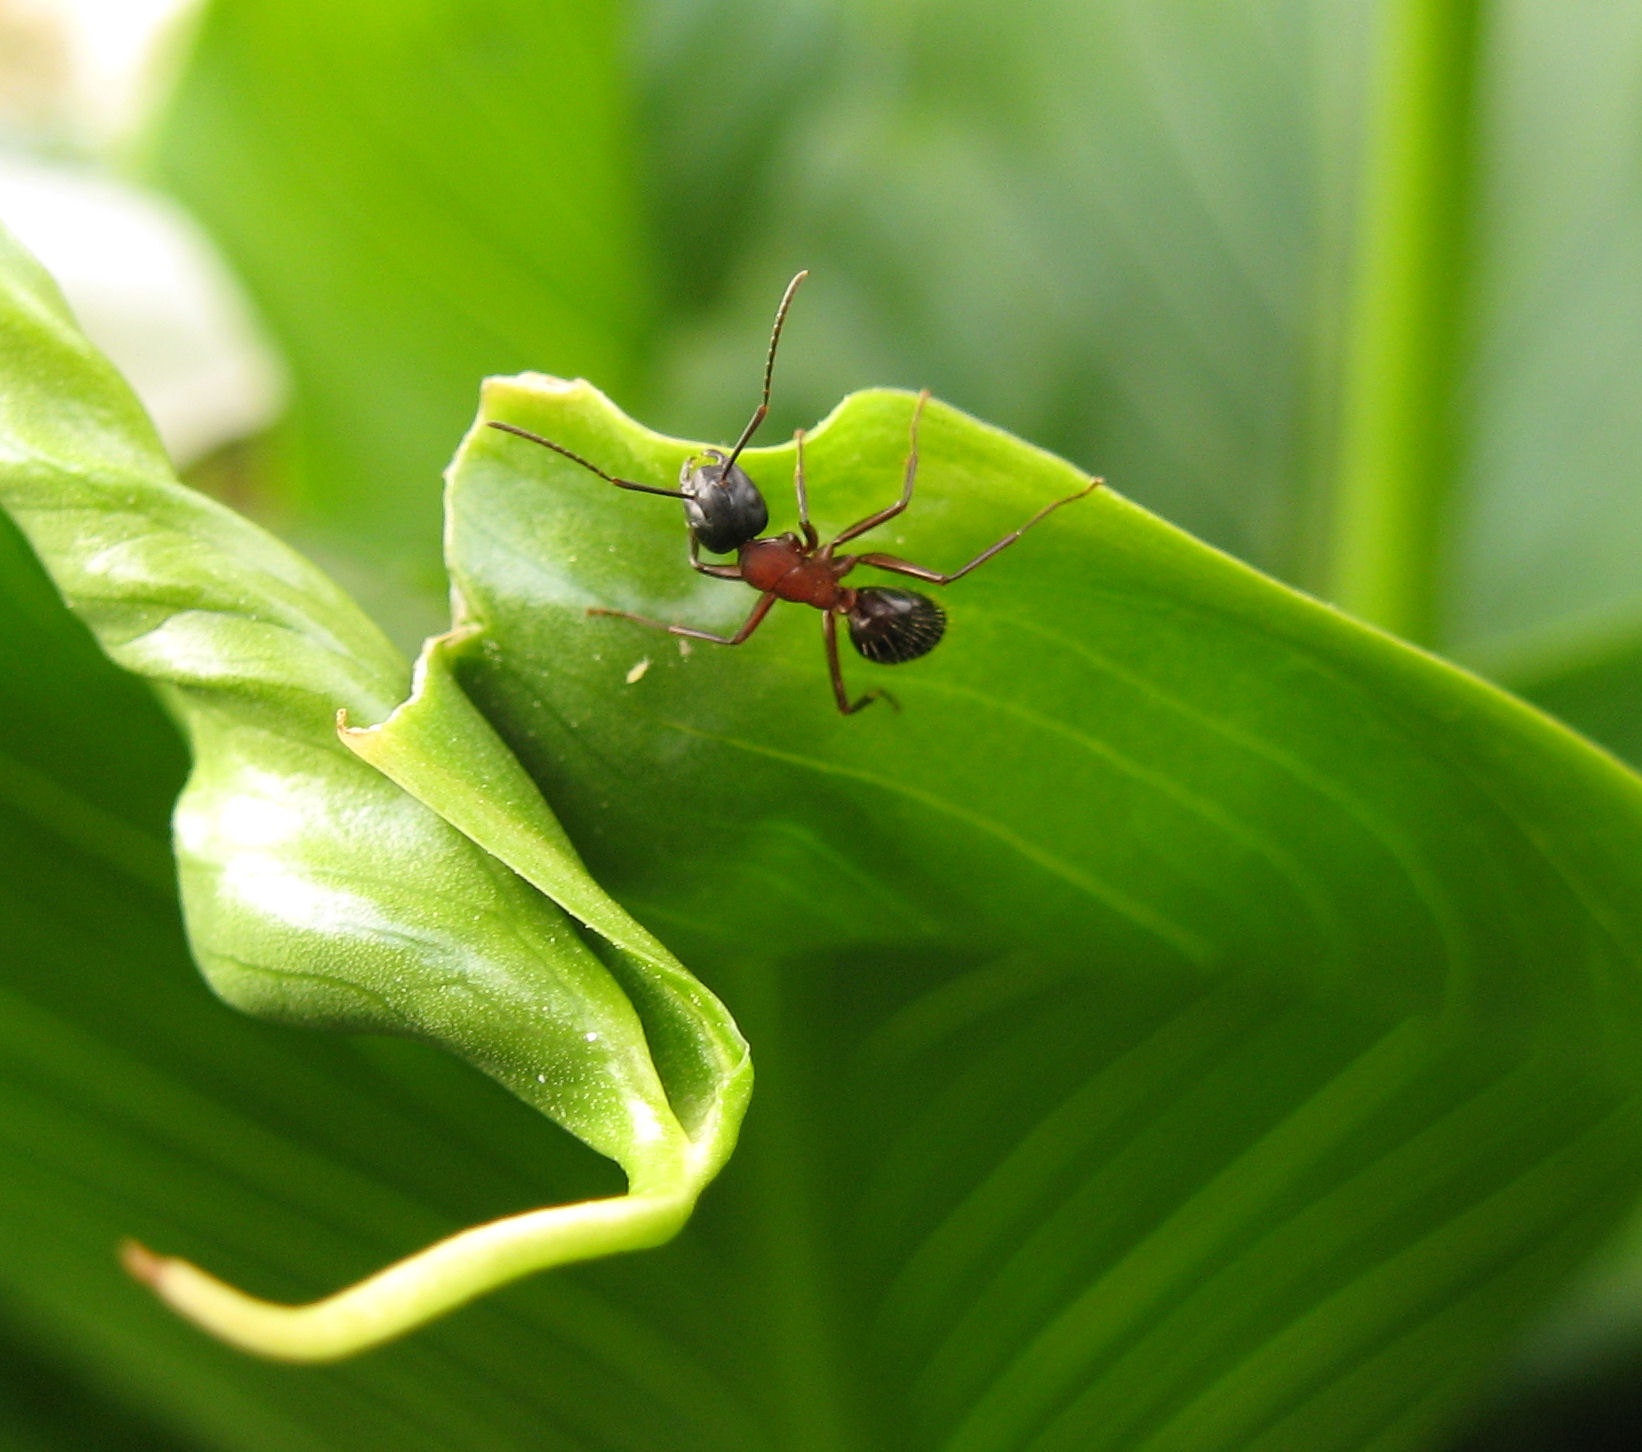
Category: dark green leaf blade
<point>1238,1008</point>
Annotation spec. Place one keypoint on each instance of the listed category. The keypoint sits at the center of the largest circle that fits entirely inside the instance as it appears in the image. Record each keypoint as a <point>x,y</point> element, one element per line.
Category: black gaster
<point>892,626</point>
<point>723,510</point>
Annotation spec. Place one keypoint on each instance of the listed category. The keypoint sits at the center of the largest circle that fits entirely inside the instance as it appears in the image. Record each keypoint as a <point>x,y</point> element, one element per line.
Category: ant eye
<point>723,508</point>
<point>891,626</point>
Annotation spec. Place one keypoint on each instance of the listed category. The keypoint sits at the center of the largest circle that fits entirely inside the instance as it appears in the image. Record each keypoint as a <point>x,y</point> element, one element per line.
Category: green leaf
<point>133,1103</point>
<point>445,754</point>
<point>315,891</point>
<point>1120,231</point>
<point>1588,675</point>
<point>1195,1020</point>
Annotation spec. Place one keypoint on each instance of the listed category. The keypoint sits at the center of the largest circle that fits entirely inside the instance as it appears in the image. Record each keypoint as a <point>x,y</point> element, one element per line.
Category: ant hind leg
<point>898,566</point>
<point>846,707</point>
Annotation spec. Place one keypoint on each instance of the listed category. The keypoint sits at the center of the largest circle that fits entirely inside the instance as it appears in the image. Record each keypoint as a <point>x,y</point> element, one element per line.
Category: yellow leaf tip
<point>349,734</point>
<point>141,1264</point>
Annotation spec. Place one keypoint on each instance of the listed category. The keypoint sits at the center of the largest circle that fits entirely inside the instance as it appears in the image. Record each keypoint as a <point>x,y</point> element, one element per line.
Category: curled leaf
<point>316,890</point>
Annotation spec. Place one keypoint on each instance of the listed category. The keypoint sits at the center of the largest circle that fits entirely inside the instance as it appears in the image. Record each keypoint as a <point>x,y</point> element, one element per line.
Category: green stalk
<point>1398,448</point>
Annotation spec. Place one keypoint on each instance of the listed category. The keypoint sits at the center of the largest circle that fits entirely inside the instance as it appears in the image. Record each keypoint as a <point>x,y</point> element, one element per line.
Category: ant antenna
<point>769,370</point>
<point>508,428</point>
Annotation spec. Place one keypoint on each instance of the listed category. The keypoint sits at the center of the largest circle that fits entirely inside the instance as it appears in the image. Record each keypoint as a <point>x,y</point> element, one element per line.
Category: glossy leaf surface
<point>1175,1022</point>
<point>1225,998</point>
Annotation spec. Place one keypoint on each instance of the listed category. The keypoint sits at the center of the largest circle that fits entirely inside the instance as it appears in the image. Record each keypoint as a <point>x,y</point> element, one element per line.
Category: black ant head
<point>891,626</point>
<point>721,505</point>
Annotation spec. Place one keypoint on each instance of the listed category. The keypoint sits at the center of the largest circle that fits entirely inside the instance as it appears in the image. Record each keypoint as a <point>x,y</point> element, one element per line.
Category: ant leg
<point>935,577</point>
<point>811,538</point>
<point>718,572</point>
<point>508,428</point>
<point>829,631</point>
<point>751,623</point>
<point>769,372</point>
<point>872,521</point>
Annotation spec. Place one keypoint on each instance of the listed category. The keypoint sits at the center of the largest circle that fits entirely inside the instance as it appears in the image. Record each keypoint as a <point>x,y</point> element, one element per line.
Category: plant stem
<point>412,1291</point>
<point>1398,448</point>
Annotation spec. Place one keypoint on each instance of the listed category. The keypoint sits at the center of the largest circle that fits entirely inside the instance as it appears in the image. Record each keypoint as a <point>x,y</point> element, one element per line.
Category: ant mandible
<point>725,511</point>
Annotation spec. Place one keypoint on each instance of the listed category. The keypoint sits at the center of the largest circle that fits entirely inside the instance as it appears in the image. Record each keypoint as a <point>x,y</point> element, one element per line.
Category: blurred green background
<point>1142,234</point>
<point>1138,234</point>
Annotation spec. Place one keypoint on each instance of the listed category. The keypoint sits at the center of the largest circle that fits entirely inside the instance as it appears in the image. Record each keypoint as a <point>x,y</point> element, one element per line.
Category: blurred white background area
<point>78,80</point>
<point>82,74</point>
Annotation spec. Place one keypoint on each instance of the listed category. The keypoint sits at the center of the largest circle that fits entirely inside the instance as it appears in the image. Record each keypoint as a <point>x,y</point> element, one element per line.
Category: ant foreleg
<point>751,623</point>
<point>829,630</point>
<point>718,572</point>
<point>898,566</point>
<point>872,521</point>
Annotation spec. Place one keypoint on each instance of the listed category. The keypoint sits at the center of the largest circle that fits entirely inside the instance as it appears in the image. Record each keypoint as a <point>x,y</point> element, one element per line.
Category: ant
<point>725,511</point>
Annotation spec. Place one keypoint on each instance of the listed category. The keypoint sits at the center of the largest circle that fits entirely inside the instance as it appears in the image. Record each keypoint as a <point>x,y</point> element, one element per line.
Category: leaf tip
<point>350,736</point>
<point>142,1264</point>
<point>512,385</point>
